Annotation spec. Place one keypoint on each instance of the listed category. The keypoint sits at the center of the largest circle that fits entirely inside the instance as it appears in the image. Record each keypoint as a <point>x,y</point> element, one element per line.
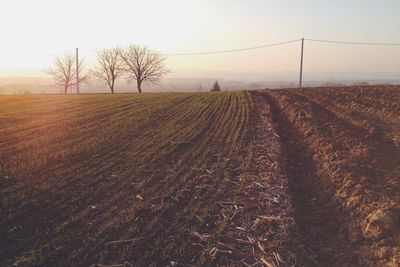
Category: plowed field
<point>289,177</point>
<point>343,147</point>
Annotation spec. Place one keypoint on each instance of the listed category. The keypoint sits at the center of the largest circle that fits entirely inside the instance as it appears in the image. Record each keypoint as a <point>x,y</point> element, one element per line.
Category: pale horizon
<point>38,30</point>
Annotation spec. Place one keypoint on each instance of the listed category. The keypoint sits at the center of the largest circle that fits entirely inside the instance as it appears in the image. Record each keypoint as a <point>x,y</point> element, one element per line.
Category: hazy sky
<point>31,29</point>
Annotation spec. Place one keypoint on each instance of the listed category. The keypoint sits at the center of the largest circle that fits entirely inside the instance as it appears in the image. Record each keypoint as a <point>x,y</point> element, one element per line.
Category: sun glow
<point>32,31</point>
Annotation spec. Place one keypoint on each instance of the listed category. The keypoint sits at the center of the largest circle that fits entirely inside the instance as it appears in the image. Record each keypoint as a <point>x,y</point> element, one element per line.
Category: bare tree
<point>64,71</point>
<point>143,65</point>
<point>109,66</point>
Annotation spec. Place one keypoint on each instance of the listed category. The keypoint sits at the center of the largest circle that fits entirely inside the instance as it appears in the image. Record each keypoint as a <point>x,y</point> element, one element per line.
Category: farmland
<point>272,177</point>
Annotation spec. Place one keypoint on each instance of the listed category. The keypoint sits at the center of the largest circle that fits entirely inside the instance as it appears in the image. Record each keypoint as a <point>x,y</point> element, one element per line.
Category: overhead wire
<point>351,42</point>
<point>220,51</point>
<point>230,50</point>
<point>35,58</point>
<point>215,51</point>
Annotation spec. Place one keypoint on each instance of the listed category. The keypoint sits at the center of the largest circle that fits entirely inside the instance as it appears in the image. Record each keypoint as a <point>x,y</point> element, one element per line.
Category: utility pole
<point>301,63</point>
<point>77,71</point>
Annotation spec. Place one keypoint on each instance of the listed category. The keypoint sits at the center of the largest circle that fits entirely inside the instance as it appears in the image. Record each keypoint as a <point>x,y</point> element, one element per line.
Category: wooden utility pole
<point>301,63</point>
<point>77,71</point>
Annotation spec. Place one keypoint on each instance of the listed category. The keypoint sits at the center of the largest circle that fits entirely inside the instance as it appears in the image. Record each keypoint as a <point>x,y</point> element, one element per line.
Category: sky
<point>33,31</point>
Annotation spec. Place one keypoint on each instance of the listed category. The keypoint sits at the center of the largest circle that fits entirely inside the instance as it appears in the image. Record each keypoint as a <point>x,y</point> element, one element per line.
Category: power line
<point>219,51</point>
<point>264,46</point>
<point>214,52</point>
<point>351,43</point>
<point>35,58</point>
<point>229,51</point>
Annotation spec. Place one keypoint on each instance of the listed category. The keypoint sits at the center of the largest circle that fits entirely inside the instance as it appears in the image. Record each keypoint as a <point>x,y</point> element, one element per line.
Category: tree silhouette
<point>109,66</point>
<point>216,87</point>
<point>143,65</point>
<point>64,72</point>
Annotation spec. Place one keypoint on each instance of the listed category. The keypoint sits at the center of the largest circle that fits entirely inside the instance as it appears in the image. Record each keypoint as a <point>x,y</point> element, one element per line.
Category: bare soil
<point>291,177</point>
<point>341,146</point>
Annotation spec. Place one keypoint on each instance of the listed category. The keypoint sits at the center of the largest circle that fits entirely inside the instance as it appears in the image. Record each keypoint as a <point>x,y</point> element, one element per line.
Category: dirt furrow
<point>321,220</point>
<point>344,179</point>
